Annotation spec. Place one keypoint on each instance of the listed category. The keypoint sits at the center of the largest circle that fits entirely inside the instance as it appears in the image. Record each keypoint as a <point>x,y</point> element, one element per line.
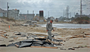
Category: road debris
<point>3,45</point>
<point>71,49</point>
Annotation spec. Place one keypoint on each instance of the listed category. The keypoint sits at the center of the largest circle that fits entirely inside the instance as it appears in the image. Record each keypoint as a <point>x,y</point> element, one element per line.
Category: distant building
<point>56,20</point>
<point>36,18</point>
<point>77,15</point>
<point>14,13</point>
<point>50,18</point>
<point>41,13</point>
<point>37,15</point>
<point>67,20</point>
<point>3,13</point>
<point>26,16</point>
<point>41,16</point>
<point>61,18</point>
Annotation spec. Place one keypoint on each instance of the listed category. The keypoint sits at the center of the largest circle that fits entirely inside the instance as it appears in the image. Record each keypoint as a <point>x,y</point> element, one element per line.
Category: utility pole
<point>33,13</point>
<point>74,14</point>
<point>63,13</point>
<point>80,8</point>
<point>70,14</point>
<point>27,12</point>
<point>7,9</point>
<point>67,12</point>
<point>80,12</point>
<point>48,13</point>
<point>89,8</point>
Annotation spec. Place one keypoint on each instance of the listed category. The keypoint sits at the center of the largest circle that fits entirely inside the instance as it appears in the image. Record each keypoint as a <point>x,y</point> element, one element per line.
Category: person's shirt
<point>49,26</point>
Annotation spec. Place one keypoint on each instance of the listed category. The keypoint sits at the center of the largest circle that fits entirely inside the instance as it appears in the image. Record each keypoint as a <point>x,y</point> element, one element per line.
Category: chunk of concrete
<point>3,45</point>
<point>17,33</point>
<point>25,45</point>
<point>23,35</point>
<point>11,41</point>
<point>71,49</point>
<point>5,34</point>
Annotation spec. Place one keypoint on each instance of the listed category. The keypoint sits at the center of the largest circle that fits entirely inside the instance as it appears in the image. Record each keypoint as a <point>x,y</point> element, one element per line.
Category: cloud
<point>55,7</point>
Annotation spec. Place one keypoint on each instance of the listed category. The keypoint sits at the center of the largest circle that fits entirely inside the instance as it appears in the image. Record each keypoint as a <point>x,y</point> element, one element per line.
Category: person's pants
<point>49,35</point>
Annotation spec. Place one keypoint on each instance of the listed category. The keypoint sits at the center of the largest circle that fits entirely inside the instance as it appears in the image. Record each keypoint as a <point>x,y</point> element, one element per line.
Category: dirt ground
<point>62,33</point>
<point>14,49</point>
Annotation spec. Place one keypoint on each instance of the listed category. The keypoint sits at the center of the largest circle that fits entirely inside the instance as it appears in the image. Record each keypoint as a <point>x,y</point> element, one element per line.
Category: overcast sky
<point>55,7</point>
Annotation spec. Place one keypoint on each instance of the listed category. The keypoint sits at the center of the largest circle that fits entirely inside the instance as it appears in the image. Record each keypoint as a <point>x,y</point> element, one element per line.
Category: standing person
<point>49,28</point>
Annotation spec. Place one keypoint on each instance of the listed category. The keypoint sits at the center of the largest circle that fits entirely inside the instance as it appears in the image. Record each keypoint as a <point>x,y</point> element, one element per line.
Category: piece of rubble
<point>57,43</point>
<point>81,46</point>
<point>62,49</point>
<point>3,45</point>
<point>23,35</point>
<point>17,33</point>
<point>71,48</point>
<point>40,38</point>
<point>76,47</point>
<point>87,34</point>
<point>11,41</point>
<point>30,41</point>
<point>12,44</point>
<point>57,40</point>
<point>5,34</point>
<point>48,45</point>
<point>23,45</point>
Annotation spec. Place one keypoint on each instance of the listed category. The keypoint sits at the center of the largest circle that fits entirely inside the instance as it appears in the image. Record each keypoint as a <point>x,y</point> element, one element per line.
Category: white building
<point>3,13</point>
<point>13,14</point>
